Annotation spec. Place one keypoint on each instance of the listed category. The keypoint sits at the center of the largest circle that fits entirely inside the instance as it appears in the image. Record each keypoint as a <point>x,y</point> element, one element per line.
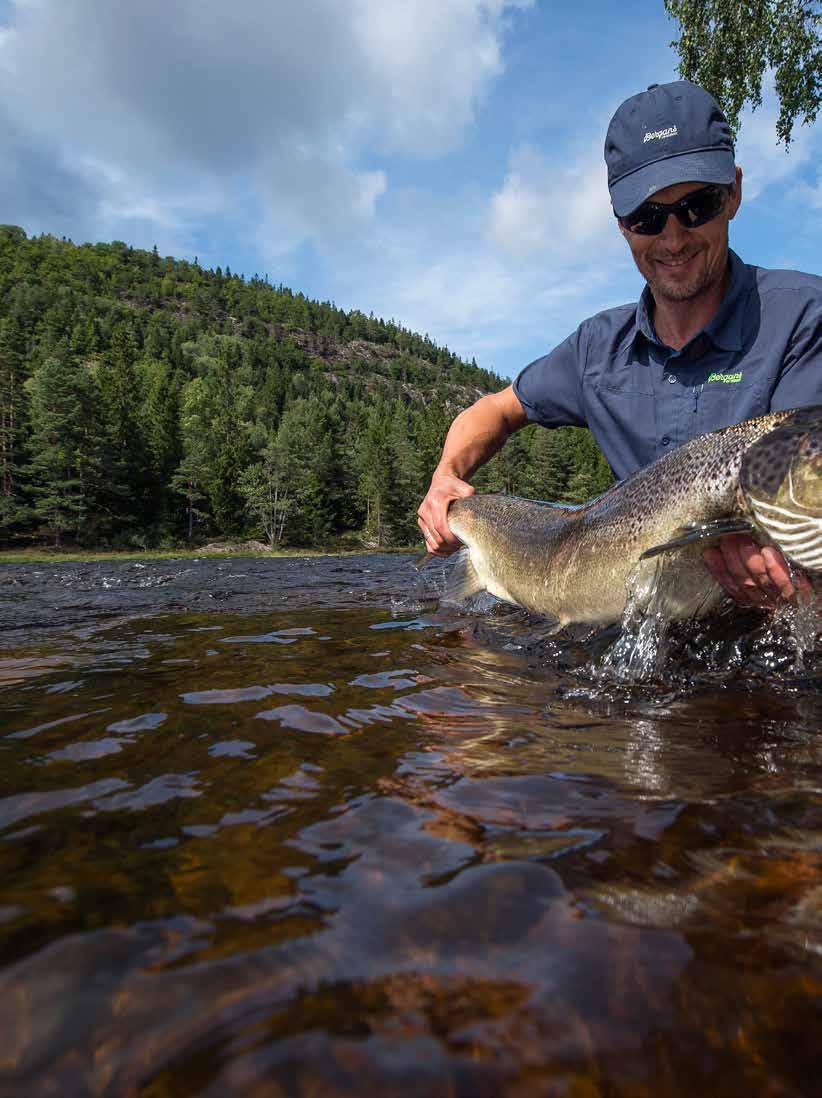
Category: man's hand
<point>473,438</point>
<point>433,513</point>
<point>753,575</point>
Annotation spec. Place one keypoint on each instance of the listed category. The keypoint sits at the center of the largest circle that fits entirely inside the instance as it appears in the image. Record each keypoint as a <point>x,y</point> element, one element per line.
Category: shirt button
<point>665,440</point>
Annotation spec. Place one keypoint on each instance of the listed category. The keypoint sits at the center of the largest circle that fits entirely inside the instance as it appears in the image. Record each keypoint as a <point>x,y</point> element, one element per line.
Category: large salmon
<point>578,564</point>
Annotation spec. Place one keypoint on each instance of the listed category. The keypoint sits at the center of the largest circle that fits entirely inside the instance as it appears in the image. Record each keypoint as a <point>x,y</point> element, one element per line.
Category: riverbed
<point>289,827</point>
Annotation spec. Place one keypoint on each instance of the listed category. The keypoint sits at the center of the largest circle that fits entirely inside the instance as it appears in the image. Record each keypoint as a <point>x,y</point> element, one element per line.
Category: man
<point>711,342</point>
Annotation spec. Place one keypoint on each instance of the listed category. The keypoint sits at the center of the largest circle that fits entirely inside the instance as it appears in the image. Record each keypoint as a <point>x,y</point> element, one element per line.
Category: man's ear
<point>736,195</point>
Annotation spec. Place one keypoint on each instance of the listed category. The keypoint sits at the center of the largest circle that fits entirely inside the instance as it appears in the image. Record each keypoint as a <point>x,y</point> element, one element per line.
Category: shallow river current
<point>283,827</point>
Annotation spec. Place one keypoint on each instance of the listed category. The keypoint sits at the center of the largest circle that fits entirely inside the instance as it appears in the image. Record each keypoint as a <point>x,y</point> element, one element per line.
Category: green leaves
<point>727,46</point>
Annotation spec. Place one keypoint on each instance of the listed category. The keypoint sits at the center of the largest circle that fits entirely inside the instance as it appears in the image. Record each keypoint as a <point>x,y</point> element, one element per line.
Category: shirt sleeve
<point>800,380</point>
<point>550,388</point>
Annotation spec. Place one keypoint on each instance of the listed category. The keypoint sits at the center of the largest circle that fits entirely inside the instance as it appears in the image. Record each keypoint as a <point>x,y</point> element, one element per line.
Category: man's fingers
<point>430,536</point>
<point>435,541</point>
<point>743,560</point>
<point>780,573</point>
<point>433,514</point>
<point>729,572</point>
<point>754,575</point>
<point>754,560</point>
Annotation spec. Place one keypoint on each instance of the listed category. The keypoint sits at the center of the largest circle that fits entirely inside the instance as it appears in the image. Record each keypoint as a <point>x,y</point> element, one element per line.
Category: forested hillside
<point>146,401</point>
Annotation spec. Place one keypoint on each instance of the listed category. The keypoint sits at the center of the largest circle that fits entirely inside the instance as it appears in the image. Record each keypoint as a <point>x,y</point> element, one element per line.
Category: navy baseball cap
<point>671,133</point>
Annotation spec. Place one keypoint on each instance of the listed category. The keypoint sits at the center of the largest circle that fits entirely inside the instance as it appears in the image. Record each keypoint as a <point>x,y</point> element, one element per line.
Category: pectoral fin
<point>701,531</point>
<point>463,582</point>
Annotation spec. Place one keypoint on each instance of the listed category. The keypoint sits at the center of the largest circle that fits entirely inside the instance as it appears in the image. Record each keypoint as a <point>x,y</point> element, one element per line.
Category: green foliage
<point>726,46</point>
<point>144,400</point>
<point>268,489</point>
<point>64,468</point>
<point>13,508</point>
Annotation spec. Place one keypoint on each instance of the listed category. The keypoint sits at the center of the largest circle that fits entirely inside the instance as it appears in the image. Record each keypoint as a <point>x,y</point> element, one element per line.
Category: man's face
<point>681,264</point>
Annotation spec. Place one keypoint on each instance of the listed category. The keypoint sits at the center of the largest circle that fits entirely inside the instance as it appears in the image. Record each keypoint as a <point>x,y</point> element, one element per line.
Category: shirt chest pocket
<point>623,421</point>
<point>728,398</point>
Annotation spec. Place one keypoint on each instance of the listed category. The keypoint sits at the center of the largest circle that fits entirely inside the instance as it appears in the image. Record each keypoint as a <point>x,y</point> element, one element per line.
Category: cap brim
<point>706,166</point>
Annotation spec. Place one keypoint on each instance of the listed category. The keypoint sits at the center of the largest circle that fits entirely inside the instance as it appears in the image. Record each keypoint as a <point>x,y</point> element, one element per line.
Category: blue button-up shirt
<point>761,352</point>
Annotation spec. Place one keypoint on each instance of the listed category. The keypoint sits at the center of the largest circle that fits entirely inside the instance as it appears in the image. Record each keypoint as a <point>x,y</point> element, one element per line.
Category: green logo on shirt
<point>727,379</point>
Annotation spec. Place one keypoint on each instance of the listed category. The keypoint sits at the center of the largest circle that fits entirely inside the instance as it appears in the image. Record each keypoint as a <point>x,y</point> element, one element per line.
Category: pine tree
<point>125,459</point>
<point>374,464</point>
<point>551,464</point>
<point>508,470</point>
<point>221,400</point>
<point>64,466</point>
<point>192,475</point>
<point>406,487</point>
<point>307,437</point>
<point>13,508</point>
<point>590,474</point>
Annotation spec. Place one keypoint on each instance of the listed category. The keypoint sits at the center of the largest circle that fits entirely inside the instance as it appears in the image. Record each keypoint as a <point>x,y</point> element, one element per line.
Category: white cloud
<point>544,205</point>
<point>519,267</point>
<point>290,98</point>
<point>516,268</point>
<point>431,61</point>
<point>809,193</point>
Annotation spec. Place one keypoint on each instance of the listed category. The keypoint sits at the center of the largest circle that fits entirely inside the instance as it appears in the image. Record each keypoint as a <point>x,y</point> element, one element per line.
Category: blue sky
<point>435,161</point>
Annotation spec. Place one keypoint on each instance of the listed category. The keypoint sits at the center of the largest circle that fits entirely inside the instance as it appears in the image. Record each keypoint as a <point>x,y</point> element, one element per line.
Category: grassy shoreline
<point>88,556</point>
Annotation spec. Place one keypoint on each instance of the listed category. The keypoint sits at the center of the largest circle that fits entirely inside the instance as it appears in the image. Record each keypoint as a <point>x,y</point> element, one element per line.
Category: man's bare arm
<point>473,439</point>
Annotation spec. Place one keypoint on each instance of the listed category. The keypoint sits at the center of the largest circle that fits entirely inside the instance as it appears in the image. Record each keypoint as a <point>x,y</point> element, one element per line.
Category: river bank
<point>215,550</point>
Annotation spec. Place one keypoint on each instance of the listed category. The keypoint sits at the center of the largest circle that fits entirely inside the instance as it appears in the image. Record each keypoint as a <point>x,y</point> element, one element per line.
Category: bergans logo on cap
<point>655,136</point>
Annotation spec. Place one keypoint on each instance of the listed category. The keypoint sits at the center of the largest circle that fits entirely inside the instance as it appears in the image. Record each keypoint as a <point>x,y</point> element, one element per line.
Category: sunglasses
<point>695,209</point>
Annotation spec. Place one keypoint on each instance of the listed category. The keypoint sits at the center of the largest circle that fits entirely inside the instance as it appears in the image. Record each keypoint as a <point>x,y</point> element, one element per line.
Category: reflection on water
<point>350,844</point>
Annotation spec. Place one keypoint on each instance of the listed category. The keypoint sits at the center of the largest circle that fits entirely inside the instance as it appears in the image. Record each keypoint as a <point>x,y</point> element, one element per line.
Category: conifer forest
<point>146,402</point>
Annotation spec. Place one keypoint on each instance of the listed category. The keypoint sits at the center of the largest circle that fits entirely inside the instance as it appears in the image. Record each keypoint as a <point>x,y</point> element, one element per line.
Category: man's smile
<point>678,261</point>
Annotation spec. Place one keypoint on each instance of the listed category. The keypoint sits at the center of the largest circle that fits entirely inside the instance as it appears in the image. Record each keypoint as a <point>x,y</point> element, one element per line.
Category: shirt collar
<point>725,330</point>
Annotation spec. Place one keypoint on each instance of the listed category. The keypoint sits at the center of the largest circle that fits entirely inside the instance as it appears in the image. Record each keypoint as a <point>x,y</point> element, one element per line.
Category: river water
<point>283,827</point>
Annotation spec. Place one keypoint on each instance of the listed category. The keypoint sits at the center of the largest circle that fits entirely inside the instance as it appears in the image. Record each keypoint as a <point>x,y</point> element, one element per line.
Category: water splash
<point>653,644</point>
<point>640,651</point>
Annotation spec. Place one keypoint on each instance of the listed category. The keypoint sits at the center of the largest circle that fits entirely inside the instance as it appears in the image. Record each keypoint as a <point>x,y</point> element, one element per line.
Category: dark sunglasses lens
<point>647,220</point>
<point>692,211</point>
<point>701,207</point>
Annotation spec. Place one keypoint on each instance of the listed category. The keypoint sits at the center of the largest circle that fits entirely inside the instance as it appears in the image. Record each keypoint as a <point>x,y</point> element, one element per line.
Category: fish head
<point>780,484</point>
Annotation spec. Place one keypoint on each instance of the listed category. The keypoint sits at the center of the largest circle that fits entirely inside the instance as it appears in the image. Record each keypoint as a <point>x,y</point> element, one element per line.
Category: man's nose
<point>674,235</point>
